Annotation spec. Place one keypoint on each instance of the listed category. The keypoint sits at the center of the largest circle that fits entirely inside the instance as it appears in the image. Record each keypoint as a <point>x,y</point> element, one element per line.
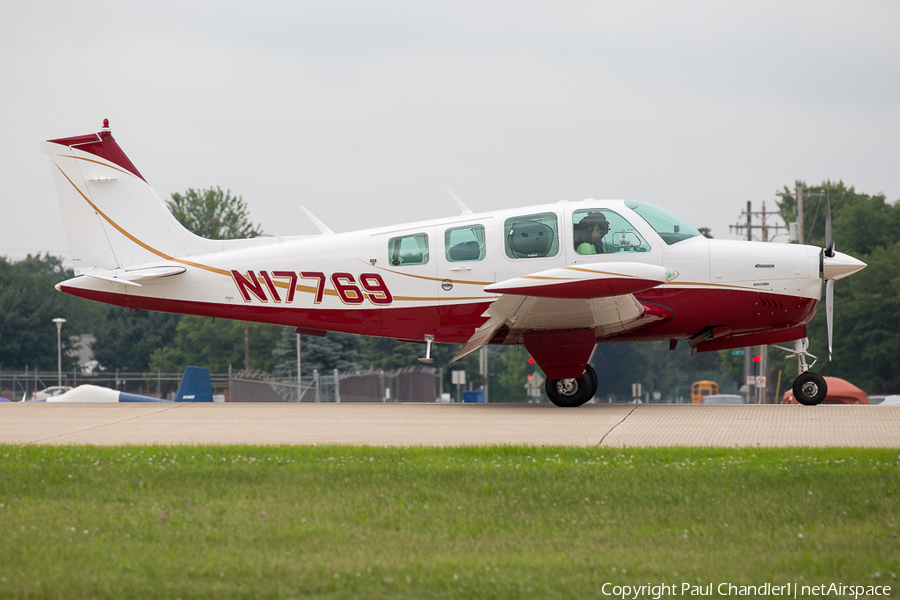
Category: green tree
<point>866,332</point>
<point>509,370</point>
<point>657,369</point>
<point>389,354</point>
<point>620,365</point>
<point>216,344</point>
<point>28,305</point>
<point>127,340</point>
<point>334,351</point>
<point>213,214</point>
<point>858,233</point>
<point>867,304</point>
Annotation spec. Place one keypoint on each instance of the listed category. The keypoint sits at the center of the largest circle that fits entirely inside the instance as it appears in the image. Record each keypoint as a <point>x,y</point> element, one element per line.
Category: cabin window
<point>531,236</point>
<point>408,250</point>
<point>601,231</point>
<point>463,244</point>
<point>671,228</point>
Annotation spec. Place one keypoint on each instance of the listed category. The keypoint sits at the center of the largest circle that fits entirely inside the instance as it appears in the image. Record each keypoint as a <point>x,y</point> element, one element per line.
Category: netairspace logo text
<point>787,590</point>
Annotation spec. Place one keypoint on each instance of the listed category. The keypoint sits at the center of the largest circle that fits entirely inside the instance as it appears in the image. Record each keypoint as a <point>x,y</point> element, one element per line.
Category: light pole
<point>59,323</point>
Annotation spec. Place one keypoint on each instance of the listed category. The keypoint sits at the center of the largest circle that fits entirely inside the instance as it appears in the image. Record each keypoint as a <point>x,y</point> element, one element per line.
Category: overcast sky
<point>364,111</point>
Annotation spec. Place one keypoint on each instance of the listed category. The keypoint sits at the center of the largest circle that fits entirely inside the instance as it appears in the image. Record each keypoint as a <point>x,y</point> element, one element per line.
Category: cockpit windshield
<point>671,229</point>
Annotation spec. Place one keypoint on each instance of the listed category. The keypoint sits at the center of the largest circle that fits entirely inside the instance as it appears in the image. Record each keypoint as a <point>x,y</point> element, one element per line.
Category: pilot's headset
<point>595,220</point>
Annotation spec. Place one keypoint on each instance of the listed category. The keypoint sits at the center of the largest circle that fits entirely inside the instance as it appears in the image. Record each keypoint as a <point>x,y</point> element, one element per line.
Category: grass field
<point>481,522</point>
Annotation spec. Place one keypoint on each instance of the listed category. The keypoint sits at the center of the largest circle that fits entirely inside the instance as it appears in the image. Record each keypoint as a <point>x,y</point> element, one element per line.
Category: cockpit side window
<point>602,231</point>
<point>408,250</point>
<point>531,236</point>
<point>463,244</point>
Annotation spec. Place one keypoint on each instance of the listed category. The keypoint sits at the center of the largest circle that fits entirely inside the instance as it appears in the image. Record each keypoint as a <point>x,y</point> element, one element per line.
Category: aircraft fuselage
<point>346,282</point>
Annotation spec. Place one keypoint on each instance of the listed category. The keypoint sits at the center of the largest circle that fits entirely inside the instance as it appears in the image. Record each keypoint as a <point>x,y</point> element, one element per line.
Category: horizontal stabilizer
<point>133,276</point>
<point>584,281</point>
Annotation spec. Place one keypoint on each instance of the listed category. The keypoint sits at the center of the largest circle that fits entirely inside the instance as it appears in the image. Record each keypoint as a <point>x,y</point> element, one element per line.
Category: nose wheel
<point>810,388</point>
<point>573,392</point>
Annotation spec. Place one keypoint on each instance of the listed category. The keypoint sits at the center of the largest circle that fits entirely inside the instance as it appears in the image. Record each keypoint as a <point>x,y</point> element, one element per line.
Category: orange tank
<point>840,391</point>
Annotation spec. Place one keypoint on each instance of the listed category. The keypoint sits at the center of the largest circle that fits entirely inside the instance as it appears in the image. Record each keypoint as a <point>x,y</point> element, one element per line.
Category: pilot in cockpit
<point>589,233</point>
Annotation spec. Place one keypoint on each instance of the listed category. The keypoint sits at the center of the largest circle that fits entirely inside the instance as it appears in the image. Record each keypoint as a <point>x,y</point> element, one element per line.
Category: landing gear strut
<point>809,388</point>
<point>573,392</point>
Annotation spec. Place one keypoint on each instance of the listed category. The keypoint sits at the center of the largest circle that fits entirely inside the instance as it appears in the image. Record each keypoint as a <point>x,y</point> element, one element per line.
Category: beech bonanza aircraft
<point>558,278</point>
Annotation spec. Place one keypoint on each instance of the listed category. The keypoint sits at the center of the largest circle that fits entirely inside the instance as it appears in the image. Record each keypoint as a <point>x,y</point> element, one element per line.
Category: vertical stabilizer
<point>112,217</point>
<point>195,386</point>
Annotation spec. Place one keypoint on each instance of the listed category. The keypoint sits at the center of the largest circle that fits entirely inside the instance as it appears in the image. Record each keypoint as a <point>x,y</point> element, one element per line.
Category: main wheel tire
<point>810,388</point>
<point>572,392</point>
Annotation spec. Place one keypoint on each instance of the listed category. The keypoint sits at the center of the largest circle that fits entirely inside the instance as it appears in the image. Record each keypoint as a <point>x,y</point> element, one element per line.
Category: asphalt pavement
<point>612,425</point>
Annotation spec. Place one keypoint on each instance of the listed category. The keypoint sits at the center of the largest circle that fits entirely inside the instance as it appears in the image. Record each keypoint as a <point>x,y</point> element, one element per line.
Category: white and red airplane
<point>558,278</point>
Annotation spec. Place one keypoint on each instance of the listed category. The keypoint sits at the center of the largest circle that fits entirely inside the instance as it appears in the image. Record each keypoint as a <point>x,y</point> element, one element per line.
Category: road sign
<point>739,352</point>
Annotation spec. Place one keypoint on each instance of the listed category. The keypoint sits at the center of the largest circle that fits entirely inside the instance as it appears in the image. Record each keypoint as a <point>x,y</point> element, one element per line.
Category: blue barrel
<point>475,396</point>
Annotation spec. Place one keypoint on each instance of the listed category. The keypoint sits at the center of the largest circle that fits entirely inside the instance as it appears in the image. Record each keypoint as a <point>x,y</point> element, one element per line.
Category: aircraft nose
<point>840,265</point>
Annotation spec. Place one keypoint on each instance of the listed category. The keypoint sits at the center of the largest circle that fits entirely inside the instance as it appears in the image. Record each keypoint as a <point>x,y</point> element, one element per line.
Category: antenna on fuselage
<point>319,224</point>
<point>462,207</point>
<point>275,233</point>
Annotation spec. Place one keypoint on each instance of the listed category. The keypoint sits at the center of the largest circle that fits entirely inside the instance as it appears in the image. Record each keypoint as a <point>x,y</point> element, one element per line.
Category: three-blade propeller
<point>829,283</point>
<point>835,265</point>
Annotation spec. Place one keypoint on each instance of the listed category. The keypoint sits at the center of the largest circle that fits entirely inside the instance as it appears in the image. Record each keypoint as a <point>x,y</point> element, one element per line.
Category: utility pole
<point>59,323</point>
<point>763,226</point>
<point>748,351</point>
<point>299,382</point>
<point>247,348</point>
<point>799,192</point>
<point>483,369</point>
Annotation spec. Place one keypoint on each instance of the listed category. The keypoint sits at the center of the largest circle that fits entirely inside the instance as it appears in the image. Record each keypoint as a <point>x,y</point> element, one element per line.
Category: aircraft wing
<point>599,297</point>
<point>584,281</point>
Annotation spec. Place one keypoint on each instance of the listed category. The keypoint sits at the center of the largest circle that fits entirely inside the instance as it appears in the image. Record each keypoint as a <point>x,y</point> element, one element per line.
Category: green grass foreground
<point>476,522</point>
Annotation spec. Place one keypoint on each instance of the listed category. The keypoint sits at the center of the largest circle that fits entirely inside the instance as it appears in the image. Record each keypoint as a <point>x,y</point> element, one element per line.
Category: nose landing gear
<point>809,388</point>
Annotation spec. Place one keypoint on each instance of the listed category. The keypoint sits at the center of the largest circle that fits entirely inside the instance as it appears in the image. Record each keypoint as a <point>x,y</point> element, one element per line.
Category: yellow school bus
<point>702,389</point>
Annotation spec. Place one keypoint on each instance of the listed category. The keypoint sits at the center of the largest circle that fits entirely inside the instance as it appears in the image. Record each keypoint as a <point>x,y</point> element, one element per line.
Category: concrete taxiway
<point>613,425</point>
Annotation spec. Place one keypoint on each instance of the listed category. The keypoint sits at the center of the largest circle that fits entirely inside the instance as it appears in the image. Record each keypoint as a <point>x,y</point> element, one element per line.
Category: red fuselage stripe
<point>691,310</point>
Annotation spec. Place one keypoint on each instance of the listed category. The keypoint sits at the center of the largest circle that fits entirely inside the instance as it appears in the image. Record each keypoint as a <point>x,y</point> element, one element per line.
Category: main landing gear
<point>573,392</point>
<point>809,388</point>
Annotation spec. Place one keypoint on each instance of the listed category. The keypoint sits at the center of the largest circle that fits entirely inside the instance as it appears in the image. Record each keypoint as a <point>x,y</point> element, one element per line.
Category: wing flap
<point>502,313</point>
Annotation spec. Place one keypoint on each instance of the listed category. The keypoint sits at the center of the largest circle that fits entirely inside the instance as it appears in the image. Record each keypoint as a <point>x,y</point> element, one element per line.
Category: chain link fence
<point>414,384</point>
